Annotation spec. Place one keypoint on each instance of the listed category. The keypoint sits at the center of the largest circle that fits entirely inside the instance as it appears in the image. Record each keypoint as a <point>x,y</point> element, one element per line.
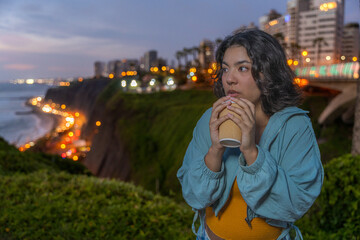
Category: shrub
<point>336,213</point>
<point>14,161</point>
<point>44,205</point>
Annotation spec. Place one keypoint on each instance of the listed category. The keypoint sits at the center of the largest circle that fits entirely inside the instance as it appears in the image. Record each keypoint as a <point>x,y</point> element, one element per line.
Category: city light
<point>194,78</point>
<point>193,70</point>
<point>296,63</point>
<point>327,6</point>
<point>307,60</point>
<point>287,18</point>
<point>343,58</point>
<point>172,71</point>
<point>123,83</point>
<point>111,76</point>
<point>328,58</point>
<point>98,123</point>
<point>289,62</point>
<point>77,114</point>
<point>301,82</point>
<point>170,82</point>
<point>304,53</point>
<point>273,22</point>
<point>354,59</point>
<point>30,81</point>
<point>133,83</point>
<point>46,108</point>
<point>163,68</point>
<point>63,106</point>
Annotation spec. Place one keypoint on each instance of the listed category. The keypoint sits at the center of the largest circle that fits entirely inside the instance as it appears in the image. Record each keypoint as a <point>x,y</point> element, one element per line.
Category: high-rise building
<point>314,26</point>
<point>150,60</point>
<point>206,53</point>
<point>113,67</point>
<point>321,31</point>
<point>129,65</point>
<point>350,43</point>
<point>99,69</point>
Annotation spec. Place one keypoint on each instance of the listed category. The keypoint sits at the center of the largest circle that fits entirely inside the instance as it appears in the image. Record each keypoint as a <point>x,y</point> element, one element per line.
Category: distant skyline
<point>63,38</point>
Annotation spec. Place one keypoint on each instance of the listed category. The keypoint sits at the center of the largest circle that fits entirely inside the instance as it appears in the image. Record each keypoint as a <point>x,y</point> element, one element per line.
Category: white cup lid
<point>230,142</point>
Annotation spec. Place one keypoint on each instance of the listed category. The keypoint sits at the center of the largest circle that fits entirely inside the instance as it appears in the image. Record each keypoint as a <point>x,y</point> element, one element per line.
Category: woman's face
<point>237,79</point>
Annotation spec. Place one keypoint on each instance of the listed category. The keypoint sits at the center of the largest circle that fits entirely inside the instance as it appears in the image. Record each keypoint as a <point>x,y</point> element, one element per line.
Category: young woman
<point>256,191</point>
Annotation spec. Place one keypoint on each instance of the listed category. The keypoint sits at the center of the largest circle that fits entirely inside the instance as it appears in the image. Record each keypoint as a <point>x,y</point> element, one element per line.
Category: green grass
<point>157,128</point>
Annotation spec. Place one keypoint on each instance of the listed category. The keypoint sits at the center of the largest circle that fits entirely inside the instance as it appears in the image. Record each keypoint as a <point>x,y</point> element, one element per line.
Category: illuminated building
<point>206,53</point>
<point>312,25</point>
<point>114,67</point>
<point>129,65</point>
<point>150,60</point>
<point>99,69</point>
<point>350,42</point>
<point>274,23</point>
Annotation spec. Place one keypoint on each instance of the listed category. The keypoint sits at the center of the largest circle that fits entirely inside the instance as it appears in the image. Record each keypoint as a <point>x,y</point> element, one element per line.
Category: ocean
<point>17,124</point>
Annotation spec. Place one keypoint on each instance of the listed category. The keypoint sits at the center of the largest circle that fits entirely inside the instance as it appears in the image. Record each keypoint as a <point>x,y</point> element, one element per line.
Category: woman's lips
<point>232,93</point>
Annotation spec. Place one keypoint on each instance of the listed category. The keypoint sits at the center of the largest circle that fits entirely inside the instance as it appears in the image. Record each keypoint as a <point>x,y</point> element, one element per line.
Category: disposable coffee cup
<point>229,132</point>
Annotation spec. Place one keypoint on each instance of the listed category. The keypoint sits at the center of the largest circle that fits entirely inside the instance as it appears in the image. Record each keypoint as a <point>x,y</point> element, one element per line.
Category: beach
<point>20,123</point>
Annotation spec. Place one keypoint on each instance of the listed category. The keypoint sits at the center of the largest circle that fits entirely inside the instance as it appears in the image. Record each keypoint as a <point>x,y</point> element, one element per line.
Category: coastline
<point>44,119</point>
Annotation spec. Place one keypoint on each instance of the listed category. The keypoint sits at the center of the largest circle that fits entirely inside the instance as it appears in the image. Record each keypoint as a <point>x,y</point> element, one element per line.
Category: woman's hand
<point>214,155</point>
<point>247,126</point>
<point>216,121</point>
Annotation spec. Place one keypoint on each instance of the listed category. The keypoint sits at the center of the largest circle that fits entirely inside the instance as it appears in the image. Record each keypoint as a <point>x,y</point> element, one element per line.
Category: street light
<point>304,53</point>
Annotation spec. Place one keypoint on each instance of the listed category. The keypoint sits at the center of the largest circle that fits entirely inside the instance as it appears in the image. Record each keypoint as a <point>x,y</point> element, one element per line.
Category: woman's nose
<point>230,78</point>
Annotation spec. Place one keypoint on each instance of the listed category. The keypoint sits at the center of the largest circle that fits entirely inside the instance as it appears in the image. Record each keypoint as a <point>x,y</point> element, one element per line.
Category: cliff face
<point>107,157</point>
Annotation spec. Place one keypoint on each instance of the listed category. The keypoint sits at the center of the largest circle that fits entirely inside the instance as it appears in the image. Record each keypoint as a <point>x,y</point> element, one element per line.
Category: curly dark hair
<point>269,68</point>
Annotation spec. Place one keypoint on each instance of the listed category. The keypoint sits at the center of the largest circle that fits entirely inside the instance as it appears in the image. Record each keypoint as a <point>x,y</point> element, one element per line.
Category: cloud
<point>19,67</point>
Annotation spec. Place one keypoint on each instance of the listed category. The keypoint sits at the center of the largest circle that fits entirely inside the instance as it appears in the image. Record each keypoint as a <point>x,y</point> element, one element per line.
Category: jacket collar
<point>276,122</point>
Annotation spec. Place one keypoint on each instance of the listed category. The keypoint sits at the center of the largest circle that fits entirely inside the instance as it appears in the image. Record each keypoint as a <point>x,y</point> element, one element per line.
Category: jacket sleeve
<point>201,187</point>
<point>285,185</point>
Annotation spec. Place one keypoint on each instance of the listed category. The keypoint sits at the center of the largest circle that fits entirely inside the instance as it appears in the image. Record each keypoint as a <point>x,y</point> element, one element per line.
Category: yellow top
<point>230,222</point>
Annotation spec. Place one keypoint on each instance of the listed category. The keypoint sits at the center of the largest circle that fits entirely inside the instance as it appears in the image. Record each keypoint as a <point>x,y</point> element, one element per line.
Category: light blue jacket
<point>280,186</point>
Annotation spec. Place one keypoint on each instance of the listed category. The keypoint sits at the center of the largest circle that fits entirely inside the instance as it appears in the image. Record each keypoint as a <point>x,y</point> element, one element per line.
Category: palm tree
<point>186,52</point>
<point>319,42</point>
<point>294,49</point>
<point>195,52</point>
<point>218,41</point>
<point>179,55</point>
<point>281,39</point>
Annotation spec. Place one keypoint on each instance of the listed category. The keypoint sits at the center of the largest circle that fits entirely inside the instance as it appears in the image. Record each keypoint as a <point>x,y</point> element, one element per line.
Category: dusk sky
<point>63,38</point>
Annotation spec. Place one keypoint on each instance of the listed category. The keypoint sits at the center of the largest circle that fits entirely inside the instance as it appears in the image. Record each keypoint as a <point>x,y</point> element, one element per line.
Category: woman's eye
<point>224,69</point>
<point>243,69</point>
